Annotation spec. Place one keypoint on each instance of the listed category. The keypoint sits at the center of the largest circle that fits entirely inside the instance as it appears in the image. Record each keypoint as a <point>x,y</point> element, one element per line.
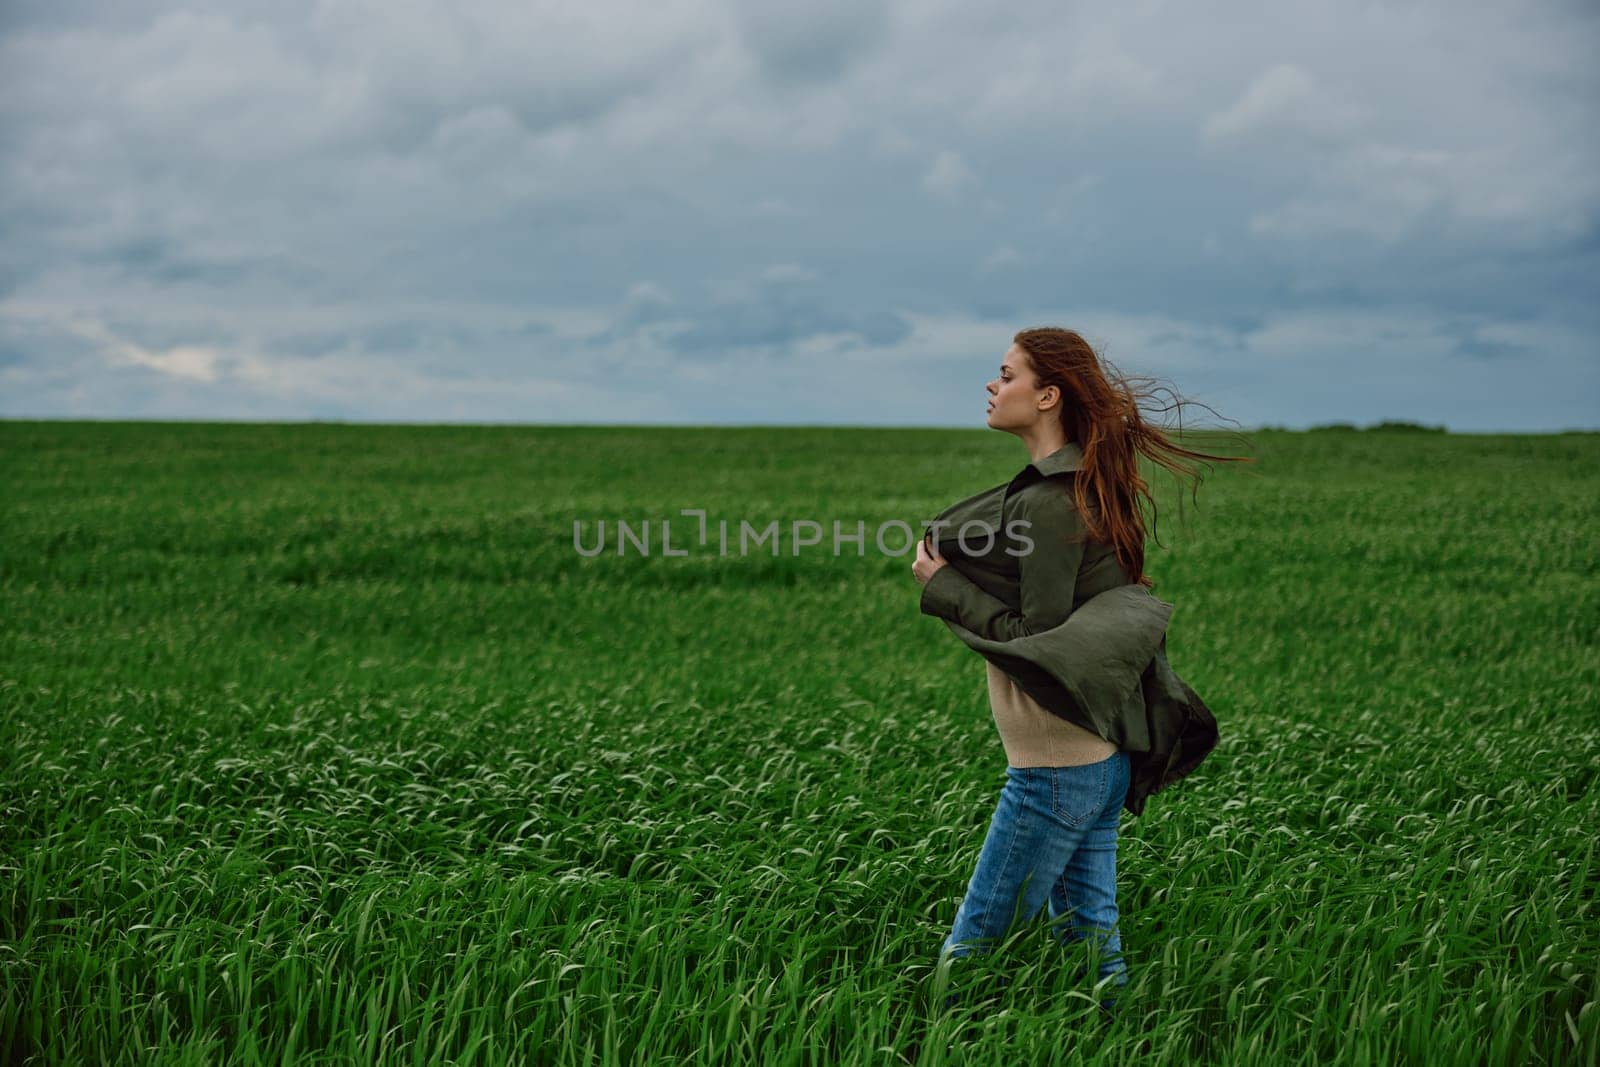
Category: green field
<point>323,744</point>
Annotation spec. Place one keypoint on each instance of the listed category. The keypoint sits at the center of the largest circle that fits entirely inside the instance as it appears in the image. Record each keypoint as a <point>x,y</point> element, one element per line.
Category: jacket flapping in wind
<point>1061,618</point>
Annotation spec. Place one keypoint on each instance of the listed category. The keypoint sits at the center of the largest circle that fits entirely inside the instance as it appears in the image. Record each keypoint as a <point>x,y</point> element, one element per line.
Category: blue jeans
<point>1052,841</point>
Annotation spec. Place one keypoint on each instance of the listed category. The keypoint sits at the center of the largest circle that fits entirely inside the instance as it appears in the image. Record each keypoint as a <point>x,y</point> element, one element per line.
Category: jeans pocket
<point>1078,793</point>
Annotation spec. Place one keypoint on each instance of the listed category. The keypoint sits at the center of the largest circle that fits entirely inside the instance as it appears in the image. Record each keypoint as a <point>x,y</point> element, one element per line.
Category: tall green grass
<point>321,744</point>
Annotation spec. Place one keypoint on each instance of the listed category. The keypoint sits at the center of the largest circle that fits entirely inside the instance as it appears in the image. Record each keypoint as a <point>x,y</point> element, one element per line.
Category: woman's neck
<point>1043,444</point>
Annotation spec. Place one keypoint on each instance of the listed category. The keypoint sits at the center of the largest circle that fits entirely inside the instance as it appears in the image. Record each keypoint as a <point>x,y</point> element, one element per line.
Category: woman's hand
<point>928,561</point>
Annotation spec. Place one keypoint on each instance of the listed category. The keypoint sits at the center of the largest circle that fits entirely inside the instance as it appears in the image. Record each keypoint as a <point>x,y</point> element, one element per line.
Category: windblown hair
<point>1100,411</point>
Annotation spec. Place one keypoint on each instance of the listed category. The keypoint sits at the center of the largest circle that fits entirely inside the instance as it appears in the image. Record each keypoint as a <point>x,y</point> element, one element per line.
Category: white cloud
<point>193,362</point>
<point>1089,85</point>
<point>948,176</point>
<point>1385,192</point>
<point>891,143</point>
<point>999,259</point>
<point>775,207</point>
<point>1283,99</point>
<point>788,274</point>
<point>1071,198</point>
<point>648,294</point>
<point>1425,147</point>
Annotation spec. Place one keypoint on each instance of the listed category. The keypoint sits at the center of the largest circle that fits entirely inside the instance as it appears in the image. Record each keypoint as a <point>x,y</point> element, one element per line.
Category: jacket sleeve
<point>1048,574</point>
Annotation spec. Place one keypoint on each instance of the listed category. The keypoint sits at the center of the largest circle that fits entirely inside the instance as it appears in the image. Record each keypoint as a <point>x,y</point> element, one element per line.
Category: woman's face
<point>1013,401</point>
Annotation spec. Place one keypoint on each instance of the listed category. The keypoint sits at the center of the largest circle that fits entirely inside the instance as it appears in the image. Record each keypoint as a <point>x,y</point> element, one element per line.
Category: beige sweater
<point>1035,738</point>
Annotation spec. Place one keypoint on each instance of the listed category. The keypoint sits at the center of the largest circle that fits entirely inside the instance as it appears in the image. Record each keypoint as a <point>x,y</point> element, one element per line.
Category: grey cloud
<point>470,190</point>
<point>776,324</point>
<point>316,342</point>
<point>995,310</point>
<point>809,43</point>
<point>397,336</point>
<point>1222,342</point>
<point>164,260</point>
<point>545,72</point>
<point>1472,343</point>
<point>121,15</point>
<point>37,353</point>
<point>773,315</point>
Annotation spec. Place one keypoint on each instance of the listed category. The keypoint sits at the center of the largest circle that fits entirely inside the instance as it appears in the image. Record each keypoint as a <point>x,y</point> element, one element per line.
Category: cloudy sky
<point>834,213</point>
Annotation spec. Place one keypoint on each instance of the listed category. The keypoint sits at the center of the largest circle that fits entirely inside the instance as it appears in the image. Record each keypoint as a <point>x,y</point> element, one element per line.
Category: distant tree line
<point>1350,427</point>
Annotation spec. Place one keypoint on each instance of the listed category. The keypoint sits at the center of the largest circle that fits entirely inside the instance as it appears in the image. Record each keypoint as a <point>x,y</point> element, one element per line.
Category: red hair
<point>1099,410</point>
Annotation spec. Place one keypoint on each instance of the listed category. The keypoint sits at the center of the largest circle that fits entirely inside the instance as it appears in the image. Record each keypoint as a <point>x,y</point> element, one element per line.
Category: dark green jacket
<point>1063,618</point>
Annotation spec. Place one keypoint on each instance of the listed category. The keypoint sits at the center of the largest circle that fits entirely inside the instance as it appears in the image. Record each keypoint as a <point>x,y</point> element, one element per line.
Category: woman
<point>1050,589</point>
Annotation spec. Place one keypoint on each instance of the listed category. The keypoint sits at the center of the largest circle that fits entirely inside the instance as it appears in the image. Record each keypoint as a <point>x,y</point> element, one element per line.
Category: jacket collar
<point>1069,457</point>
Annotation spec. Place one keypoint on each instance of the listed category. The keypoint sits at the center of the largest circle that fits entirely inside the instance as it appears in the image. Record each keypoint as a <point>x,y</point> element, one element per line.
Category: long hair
<point>1100,411</point>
